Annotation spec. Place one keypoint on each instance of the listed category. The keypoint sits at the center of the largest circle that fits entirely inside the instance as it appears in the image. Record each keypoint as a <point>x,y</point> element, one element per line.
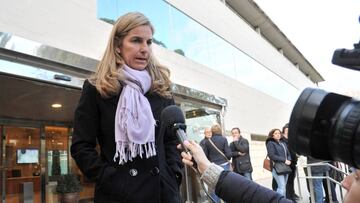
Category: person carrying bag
<point>222,154</point>
<point>218,155</point>
<point>280,163</point>
<point>280,167</point>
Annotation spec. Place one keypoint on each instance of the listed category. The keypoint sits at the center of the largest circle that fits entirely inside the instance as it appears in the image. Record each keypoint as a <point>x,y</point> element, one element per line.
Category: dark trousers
<point>290,192</point>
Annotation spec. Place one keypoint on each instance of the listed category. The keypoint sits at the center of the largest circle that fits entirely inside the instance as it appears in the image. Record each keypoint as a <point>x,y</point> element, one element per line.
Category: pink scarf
<point>134,121</point>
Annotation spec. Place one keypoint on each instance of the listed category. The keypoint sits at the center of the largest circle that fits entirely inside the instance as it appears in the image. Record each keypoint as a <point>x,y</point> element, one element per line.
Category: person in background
<point>319,171</point>
<point>120,109</point>
<point>229,186</point>
<point>217,150</point>
<point>240,154</point>
<point>290,192</point>
<point>224,182</point>
<point>278,152</point>
<point>207,135</point>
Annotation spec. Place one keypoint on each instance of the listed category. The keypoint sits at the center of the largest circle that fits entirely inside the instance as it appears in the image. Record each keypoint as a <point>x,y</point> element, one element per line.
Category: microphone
<point>172,116</point>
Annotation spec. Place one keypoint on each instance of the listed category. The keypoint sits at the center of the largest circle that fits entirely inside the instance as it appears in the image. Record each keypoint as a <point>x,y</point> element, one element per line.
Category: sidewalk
<point>303,192</point>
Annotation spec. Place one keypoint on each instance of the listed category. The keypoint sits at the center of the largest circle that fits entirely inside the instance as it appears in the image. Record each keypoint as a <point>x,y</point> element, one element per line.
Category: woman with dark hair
<point>278,152</point>
<point>120,109</point>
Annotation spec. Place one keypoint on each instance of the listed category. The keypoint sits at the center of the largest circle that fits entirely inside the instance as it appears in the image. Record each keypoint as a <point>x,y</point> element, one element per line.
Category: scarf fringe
<point>127,151</point>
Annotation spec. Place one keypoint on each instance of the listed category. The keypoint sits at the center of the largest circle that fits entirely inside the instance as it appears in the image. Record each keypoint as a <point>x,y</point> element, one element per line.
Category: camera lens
<point>326,126</point>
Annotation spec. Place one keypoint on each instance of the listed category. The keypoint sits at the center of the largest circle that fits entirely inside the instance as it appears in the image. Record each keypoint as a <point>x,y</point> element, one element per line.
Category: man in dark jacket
<point>240,154</point>
<point>207,135</point>
<point>290,192</point>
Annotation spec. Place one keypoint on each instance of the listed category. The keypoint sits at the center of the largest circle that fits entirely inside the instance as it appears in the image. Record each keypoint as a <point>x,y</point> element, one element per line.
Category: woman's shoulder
<point>88,86</point>
<point>154,97</point>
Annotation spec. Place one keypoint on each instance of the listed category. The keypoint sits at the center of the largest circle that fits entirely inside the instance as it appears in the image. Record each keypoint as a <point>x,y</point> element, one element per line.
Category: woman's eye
<point>149,42</point>
<point>137,40</point>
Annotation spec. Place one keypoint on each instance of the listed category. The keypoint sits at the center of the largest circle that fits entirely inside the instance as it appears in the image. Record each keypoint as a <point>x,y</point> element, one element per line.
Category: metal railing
<point>329,179</point>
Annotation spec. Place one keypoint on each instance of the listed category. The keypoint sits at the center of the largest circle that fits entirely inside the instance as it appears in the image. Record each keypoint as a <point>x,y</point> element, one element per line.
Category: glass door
<point>21,164</point>
<point>198,116</point>
<point>57,164</point>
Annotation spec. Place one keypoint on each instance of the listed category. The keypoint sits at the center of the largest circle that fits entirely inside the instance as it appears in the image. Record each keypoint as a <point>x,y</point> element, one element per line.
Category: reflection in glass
<point>176,31</point>
<point>20,169</point>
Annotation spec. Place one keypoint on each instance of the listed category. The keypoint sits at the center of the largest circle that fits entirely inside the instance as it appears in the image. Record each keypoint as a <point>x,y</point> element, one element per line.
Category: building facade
<point>229,63</point>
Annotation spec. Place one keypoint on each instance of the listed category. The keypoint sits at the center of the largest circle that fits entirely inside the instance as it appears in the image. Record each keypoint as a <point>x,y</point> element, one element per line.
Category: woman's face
<point>277,135</point>
<point>135,48</point>
<point>352,184</point>
<point>235,134</point>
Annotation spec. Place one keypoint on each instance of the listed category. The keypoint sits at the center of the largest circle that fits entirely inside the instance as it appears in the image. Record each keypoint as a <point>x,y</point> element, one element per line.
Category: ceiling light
<point>56,105</point>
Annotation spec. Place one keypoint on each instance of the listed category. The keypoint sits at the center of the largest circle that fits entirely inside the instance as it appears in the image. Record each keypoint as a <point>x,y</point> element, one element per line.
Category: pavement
<point>300,191</point>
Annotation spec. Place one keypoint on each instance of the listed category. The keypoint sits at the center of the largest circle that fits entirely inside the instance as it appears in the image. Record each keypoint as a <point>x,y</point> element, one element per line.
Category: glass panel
<point>198,116</point>
<point>56,142</point>
<point>22,150</point>
<point>176,31</point>
<point>59,163</point>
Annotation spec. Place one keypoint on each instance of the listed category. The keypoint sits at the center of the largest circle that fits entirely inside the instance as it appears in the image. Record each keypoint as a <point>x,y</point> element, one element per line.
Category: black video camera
<point>327,125</point>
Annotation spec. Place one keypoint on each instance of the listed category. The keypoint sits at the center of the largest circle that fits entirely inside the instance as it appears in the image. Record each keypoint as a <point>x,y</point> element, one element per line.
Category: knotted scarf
<point>134,121</point>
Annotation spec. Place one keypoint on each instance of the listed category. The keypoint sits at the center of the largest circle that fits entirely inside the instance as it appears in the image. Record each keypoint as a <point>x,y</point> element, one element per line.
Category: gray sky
<point>317,28</point>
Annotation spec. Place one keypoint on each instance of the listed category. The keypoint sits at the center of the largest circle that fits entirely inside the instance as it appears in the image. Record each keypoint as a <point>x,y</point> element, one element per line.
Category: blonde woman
<point>120,110</point>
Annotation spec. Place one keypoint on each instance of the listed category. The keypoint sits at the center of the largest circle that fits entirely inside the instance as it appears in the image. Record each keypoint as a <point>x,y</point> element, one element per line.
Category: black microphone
<point>172,116</point>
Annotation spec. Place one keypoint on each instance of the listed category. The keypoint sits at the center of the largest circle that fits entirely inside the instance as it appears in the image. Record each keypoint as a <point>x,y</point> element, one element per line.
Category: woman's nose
<point>144,47</point>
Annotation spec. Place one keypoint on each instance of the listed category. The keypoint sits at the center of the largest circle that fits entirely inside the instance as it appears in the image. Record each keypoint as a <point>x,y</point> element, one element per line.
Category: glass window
<point>178,32</point>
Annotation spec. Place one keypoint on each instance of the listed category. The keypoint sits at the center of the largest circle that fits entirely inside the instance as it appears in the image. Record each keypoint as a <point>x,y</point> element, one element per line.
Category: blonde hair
<point>107,76</point>
<point>216,129</point>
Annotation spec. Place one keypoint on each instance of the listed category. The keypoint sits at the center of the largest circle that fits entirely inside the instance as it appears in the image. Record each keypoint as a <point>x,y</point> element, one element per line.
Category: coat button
<point>133,172</point>
<point>155,171</point>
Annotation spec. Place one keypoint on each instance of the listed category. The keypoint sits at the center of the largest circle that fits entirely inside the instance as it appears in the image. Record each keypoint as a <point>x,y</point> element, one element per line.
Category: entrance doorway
<point>21,174</point>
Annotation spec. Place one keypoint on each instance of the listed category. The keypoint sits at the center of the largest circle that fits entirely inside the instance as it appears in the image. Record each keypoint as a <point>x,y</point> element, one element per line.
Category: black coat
<point>241,164</point>
<point>212,154</point>
<point>234,188</point>
<point>276,150</point>
<point>156,179</point>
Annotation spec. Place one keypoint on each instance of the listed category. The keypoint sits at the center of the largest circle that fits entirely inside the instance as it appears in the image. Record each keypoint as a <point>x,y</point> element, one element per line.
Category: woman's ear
<point>117,50</point>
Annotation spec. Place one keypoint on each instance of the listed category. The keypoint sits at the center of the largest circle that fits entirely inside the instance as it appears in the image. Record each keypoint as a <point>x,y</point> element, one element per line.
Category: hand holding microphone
<point>197,154</point>
<point>173,117</point>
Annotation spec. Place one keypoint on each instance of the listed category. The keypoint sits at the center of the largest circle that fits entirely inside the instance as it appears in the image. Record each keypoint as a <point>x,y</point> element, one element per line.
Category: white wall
<point>221,20</point>
<point>248,108</point>
<point>73,26</point>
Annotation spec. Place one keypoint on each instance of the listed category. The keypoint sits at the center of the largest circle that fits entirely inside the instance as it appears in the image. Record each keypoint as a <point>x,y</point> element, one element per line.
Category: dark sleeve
<point>243,146</point>
<point>272,154</point>
<point>246,190</point>
<point>227,150</point>
<point>234,152</point>
<point>173,157</point>
<point>288,155</point>
<point>86,128</point>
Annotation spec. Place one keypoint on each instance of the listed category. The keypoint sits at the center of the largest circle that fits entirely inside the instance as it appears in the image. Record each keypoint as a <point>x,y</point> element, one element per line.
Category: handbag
<point>231,166</point>
<point>280,167</point>
<point>266,164</point>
